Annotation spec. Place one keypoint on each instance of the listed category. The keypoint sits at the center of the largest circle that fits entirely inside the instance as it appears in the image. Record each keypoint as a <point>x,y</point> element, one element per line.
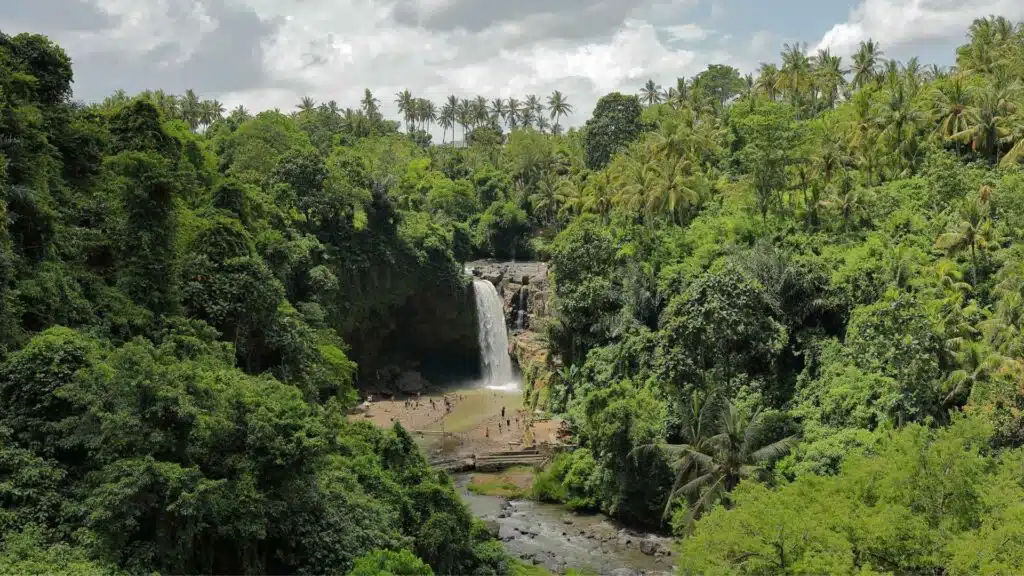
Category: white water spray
<point>493,337</point>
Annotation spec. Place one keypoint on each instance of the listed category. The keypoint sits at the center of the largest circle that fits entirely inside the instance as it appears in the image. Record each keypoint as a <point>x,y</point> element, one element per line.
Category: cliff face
<point>523,287</point>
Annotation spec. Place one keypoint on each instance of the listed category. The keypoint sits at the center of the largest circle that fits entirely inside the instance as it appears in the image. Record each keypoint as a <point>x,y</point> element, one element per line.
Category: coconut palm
<point>464,115</point>
<point>481,111</point>
<point>307,104</point>
<point>191,109</point>
<point>426,112</point>
<point>977,362</point>
<point>972,232</point>
<point>710,465</point>
<point>370,105</point>
<point>558,106</point>
<point>406,107</point>
<point>650,93</point>
<point>768,80</point>
<point>498,111</point>
<point>949,107</point>
<point>987,122</point>
<point>512,108</point>
<point>535,105</point>
<point>447,120</point>
<point>829,76</point>
<point>543,124</point>
<point>598,196</point>
<point>795,77</point>
<point>865,63</point>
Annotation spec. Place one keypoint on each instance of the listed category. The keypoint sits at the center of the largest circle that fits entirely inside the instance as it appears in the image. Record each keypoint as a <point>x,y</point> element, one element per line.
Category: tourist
<point>502,411</point>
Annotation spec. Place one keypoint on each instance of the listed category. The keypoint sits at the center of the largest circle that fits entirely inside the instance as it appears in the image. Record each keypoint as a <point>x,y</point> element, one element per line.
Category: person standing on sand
<point>502,411</point>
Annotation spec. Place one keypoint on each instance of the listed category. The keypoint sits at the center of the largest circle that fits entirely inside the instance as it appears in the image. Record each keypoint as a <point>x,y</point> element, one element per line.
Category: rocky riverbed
<point>549,535</point>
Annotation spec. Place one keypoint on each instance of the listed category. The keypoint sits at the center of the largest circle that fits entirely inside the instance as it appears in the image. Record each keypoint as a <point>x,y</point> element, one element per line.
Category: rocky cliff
<point>523,287</point>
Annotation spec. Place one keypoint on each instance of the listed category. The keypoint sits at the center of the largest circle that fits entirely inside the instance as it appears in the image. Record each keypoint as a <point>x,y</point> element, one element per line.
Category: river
<point>558,539</point>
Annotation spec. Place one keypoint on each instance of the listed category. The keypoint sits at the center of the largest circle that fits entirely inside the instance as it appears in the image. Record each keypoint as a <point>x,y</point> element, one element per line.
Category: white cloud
<point>331,49</point>
<point>144,27</point>
<point>897,23</point>
<point>687,32</point>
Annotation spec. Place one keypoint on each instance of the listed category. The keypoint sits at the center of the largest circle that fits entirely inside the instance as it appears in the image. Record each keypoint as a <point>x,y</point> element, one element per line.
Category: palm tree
<point>795,76</point>
<point>973,232</point>
<point>900,116</point>
<point>427,112</point>
<point>768,80</point>
<point>534,104</point>
<point>650,93</point>
<point>949,107</point>
<point>447,119</point>
<point>512,113</point>
<point>498,111</point>
<point>370,105</point>
<point>307,104</point>
<point>481,111</point>
<point>709,467</point>
<point>464,116</point>
<point>558,106</point>
<point>977,362</point>
<point>865,63</point>
<point>829,75</point>
<point>987,122</point>
<point>191,109</point>
<point>543,124</point>
<point>527,116</point>
<point>241,113</point>
<point>545,200</point>
<point>406,107</point>
<point>598,196</point>
<point>450,113</point>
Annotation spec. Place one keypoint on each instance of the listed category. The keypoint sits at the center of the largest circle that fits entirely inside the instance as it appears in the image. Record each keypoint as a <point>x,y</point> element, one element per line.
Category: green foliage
<point>613,125</point>
<point>924,500</point>
<point>388,563</point>
<point>502,230</point>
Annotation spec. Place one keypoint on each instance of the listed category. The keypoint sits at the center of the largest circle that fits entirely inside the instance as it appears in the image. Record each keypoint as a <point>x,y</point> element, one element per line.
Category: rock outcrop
<point>523,287</point>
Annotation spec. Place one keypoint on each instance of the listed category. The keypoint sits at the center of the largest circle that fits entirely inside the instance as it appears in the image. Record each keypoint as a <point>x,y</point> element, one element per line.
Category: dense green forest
<point>786,317</point>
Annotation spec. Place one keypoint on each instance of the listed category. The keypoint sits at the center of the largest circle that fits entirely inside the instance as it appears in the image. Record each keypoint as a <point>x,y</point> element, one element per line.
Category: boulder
<point>492,527</point>
<point>649,547</point>
<point>412,382</point>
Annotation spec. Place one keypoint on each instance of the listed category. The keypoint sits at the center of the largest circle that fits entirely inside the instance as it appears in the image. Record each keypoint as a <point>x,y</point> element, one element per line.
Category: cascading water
<point>493,337</point>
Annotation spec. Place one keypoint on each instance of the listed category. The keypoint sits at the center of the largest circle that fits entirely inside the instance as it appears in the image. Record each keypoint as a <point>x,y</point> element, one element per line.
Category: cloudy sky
<point>269,53</point>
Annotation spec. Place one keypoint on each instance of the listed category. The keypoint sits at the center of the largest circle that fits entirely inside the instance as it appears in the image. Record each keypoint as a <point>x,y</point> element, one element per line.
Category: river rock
<point>492,527</point>
<point>649,547</point>
<point>412,382</point>
<point>567,520</point>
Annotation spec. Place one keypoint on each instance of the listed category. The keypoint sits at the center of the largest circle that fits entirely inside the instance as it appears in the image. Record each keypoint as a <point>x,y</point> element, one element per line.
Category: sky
<point>269,53</point>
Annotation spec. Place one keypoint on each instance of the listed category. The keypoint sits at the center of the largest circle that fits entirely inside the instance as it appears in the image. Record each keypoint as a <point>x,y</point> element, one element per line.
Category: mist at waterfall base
<point>496,365</point>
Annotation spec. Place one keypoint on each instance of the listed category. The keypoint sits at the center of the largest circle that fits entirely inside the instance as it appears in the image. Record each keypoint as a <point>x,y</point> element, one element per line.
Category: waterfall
<point>493,337</point>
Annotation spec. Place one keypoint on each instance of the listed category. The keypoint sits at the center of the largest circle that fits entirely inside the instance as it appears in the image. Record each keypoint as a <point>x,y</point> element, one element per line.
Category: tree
<point>721,82</point>
<point>865,63</point>
<point>768,80</point>
<point>650,94</point>
<point>307,104</point>
<point>614,124</point>
<point>558,106</point>
<point>406,107</point>
<point>769,137</point>
<point>972,232</point>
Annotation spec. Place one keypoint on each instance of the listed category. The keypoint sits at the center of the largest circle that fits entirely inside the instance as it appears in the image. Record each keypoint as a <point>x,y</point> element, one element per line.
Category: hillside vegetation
<point>785,320</point>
